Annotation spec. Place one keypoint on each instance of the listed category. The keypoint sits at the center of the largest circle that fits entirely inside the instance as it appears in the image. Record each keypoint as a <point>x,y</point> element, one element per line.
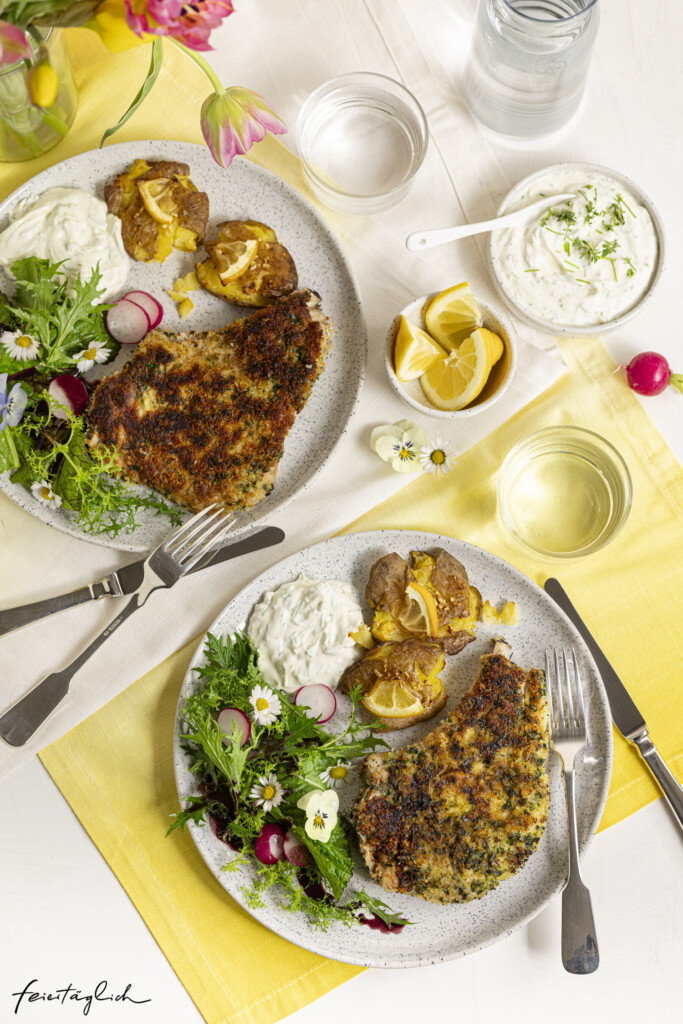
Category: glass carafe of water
<point>528,66</point>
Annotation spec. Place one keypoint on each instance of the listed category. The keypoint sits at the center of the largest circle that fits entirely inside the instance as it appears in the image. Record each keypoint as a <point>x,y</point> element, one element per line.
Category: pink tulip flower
<point>13,44</point>
<point>233,120</point>
<point>190,24</point>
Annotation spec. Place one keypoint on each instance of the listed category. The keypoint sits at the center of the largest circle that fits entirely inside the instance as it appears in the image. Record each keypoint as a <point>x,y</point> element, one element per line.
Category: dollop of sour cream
<point>301,631</point>
<point>68,224</point>
<point>584,262</point>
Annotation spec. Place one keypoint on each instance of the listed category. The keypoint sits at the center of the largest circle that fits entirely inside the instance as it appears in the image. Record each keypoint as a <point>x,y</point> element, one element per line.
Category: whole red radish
<point>649,374</point>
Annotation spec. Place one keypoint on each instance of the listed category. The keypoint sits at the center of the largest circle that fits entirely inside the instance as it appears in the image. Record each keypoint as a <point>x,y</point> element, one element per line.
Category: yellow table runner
<point>116,772</point>
<point>115,769</point>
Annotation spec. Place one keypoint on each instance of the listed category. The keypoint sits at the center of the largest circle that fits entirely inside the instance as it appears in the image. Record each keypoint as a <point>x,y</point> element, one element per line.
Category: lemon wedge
<point>454,382</point>
<point>157,198</point>
<point>391,698</point>
<point>452,315</point>
<point>414,350</point>
<point>420,615</point>
<point>231,259</point>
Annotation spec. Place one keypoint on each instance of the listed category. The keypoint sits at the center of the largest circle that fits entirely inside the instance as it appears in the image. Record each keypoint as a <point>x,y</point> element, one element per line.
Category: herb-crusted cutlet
<point>202,417</point>
<point>450,817</point>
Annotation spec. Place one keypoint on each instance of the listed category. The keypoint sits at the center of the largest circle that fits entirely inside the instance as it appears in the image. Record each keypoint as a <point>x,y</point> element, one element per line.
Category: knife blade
<point>127,579</point>
<point>627,718</point>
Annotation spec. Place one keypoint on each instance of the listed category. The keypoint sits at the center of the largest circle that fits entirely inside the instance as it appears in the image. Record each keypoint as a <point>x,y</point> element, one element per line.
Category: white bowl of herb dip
<point>584,265</point>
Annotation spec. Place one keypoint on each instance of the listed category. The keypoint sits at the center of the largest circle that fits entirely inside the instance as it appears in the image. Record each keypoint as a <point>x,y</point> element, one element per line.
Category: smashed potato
<point>400,682</point>
<point>269,273</point>
<point>160,209</point>
<point>442,584</point>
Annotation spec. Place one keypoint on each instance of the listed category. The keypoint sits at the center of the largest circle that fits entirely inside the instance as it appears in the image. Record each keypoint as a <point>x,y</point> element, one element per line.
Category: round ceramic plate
<point>245,191</point>
<point>437,933</point>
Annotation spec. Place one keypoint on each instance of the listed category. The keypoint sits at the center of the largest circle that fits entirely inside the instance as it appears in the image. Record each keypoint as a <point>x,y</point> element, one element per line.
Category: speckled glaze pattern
<point>244,191</point>
<point>438,933</point>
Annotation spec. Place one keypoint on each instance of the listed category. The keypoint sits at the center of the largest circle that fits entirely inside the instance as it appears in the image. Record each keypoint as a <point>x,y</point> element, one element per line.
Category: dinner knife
<point>626,715</point>
<point>127,579</point>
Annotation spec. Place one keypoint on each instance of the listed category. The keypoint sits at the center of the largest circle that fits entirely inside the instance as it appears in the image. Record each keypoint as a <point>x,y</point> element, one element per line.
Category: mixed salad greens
<point>267,780</point>
<point>51,333</point>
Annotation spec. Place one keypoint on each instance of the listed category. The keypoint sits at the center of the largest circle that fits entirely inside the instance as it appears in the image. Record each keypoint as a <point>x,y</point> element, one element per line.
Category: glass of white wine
<point>563,492</point>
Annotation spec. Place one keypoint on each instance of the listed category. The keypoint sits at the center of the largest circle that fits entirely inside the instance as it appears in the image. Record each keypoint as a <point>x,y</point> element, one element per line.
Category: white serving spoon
<point>428,239</point>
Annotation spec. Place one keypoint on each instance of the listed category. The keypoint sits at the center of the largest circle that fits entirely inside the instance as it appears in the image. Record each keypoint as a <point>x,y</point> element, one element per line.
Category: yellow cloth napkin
<point>630,594</point>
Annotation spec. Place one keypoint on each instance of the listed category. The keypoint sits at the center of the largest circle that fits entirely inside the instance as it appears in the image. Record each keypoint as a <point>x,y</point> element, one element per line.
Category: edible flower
<point>13,44</point>
<point>399,444</point>
<point>42,490</point>
<point>266,704</point>
<point>11,406</point>
<point>321,813</point>
<point>436,458</point>
<point>96,352</point>
<point>19,346</point>
<point>337,774</point>
<point>267,792</point>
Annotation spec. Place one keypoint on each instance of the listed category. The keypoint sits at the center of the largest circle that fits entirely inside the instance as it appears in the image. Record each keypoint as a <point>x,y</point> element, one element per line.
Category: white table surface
<point>65,918</point>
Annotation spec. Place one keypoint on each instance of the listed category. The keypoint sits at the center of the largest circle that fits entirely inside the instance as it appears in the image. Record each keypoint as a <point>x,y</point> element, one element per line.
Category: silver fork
<point>168,563</point>
<point>568,738</point>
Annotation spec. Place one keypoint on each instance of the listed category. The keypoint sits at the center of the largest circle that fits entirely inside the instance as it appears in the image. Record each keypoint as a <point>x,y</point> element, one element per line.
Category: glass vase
<point>26,130</point>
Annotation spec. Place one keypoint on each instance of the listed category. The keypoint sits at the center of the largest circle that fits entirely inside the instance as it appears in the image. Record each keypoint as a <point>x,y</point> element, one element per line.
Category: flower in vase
<point>109,21</point>
<point>190,24</point>
<point>233,120</point>
<point>13,44</point>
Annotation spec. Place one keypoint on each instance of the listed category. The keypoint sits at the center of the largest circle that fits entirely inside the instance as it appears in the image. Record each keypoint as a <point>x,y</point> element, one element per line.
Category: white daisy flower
<point>266,704</point>
<point>435,457</point>
<point>267,793</point>
<point>42,490</point>
<point>96,352</point>
<point>338,774</point>
<point>20,346</point>
<point>399,444</point>
<point>321,808</point>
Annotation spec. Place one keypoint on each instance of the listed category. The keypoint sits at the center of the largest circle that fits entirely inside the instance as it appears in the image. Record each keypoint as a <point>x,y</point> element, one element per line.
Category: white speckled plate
<point>438,933</point>
<point>245,191</point>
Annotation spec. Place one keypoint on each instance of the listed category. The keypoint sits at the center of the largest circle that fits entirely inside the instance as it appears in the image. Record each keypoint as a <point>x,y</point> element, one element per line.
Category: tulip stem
<point>202,63</point>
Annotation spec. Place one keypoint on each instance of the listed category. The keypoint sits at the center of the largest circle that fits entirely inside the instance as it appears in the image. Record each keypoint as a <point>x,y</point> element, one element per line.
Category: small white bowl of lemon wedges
<point>449,355</point>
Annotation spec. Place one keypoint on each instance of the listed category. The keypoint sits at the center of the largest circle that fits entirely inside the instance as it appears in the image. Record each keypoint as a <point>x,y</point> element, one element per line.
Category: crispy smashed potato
<point>160,209</point>
<point>269,274</point>
<point>444,588</point>
<point>508,616</point>
<point>181,286</point>
<point>411,667</point>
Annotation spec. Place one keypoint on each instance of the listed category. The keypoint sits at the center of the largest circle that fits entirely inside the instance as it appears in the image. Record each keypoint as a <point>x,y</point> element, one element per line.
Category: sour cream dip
<point>72,225</point>
<point>583,263</point>
<point>301,631</point>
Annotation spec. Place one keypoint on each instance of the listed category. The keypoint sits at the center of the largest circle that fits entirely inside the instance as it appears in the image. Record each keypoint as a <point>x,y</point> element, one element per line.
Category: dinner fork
<point>568,738</point>
<point>168,563</point>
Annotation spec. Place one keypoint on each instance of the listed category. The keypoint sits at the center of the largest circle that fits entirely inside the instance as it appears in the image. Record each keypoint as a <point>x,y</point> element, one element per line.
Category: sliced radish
<point>317,700</point>
<point>295,851</point>
<point>228,719</point>
<point>151,306</point>
<point>127,322</point>
<point>269,844</point>
<point>70,392</point>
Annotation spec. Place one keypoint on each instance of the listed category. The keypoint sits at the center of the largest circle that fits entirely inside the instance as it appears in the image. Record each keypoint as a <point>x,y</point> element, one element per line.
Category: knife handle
<point>666,780</point>
<point>14,618</point>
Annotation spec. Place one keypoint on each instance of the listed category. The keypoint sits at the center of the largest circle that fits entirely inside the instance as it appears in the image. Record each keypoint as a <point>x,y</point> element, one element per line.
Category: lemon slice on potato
<point>453,382</point>
<point>420,615</point>
<point>157,199</point>
<point>414,350</point>
<point>391,698</point>
<point>231,259</point>
<point>453,315</point>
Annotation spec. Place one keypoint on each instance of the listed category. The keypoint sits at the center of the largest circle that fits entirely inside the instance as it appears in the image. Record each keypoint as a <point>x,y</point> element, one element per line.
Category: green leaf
<point>152,75</point>
<point>332,858</point>
<point>677,380</point>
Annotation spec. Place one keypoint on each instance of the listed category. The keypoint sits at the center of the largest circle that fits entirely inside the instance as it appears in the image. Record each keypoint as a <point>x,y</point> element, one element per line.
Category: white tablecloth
<point>52,877</point>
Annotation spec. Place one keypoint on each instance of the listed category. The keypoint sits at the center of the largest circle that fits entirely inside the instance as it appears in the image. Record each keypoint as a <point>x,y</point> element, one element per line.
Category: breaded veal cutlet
<point>202,417</point>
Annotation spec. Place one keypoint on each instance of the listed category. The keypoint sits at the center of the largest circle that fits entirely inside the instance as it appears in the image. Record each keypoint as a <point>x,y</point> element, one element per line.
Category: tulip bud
<point>43,84</point>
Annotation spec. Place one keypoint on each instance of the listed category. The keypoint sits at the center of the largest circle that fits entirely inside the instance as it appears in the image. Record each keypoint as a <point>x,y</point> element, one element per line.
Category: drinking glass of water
<point>528,66</point>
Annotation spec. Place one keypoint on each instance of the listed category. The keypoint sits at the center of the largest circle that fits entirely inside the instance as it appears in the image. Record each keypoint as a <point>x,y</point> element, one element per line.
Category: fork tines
<point>190,542</point>
<point>566,708</point>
